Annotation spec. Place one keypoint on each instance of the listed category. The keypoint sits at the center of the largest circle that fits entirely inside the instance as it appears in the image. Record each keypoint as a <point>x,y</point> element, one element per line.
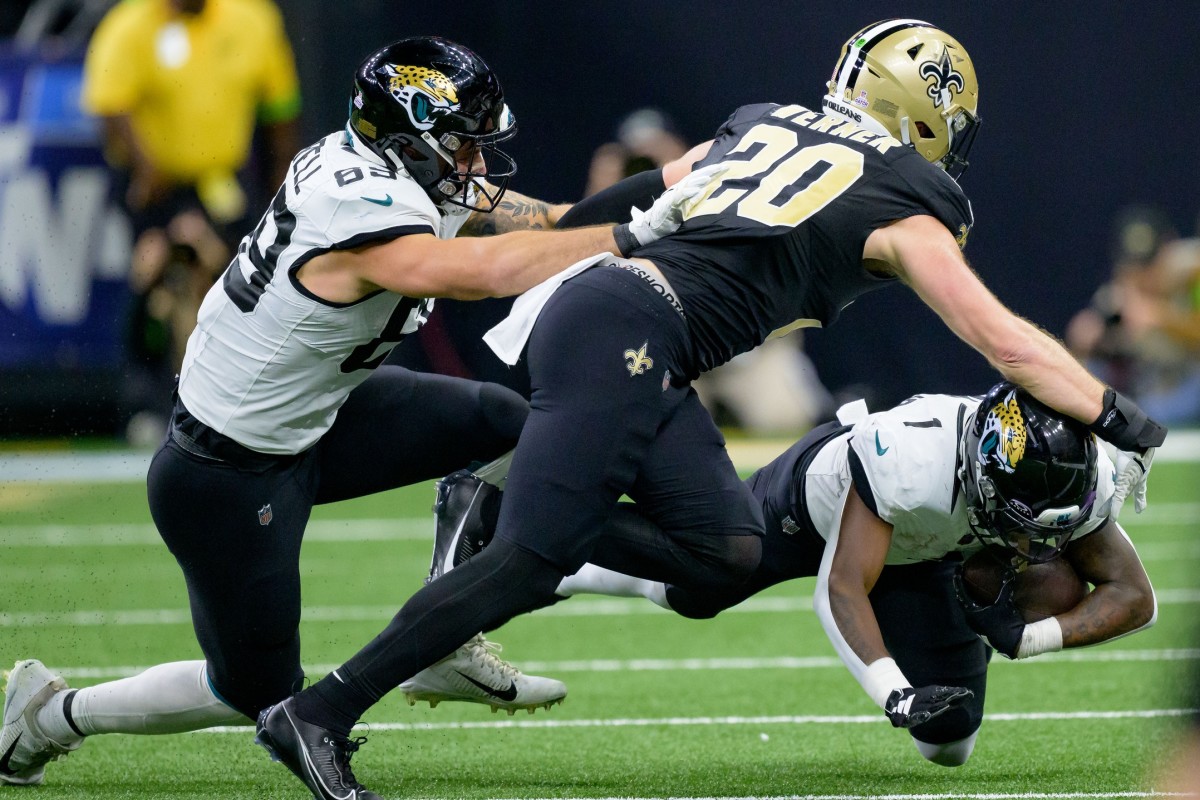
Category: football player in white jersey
<point>283,403</point>
<point>883,508</point>
<point>804,211</point>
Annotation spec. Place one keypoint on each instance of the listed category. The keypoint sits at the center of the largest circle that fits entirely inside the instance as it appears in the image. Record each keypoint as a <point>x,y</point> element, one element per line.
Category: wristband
<point>881,679</point>
<point>626,241</point>
<point>1043,636</point>
<point>1124,425</point>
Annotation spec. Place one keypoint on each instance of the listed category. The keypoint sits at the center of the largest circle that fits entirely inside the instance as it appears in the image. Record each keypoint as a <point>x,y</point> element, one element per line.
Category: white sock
<point>951,754</point>
<point>591,579</point>
<point>168,698</point>
<point>496,473</point>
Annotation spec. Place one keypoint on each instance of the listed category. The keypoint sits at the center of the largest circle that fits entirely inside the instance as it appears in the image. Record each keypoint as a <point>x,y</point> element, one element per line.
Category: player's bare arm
<point>862,546</point>
<point>923,253</point>
<point>674,171</point>
<point>1123,600</point>
<point>515,212</point>
<point>422,265</point>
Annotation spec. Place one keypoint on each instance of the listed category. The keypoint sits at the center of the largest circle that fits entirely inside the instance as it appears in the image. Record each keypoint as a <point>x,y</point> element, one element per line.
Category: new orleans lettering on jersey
<point>779,237</point>
<point>269,364</point>
<point>904,465</point>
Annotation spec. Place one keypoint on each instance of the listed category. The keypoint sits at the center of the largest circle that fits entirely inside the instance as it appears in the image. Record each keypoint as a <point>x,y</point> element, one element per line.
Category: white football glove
<point>1133,469</point>
<point>668,211</point>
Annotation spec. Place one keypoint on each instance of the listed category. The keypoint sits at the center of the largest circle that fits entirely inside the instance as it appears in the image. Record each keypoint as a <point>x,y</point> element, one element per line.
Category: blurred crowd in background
<point>191,110</point>
<point>195,107</point>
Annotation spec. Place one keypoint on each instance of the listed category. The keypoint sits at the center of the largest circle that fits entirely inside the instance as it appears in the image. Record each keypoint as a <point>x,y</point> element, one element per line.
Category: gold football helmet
<point>912,81</point>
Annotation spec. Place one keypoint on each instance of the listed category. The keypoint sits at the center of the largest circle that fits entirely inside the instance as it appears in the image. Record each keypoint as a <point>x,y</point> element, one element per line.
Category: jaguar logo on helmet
<point>425,94</point>
<point>944,78</point>
<point>1003,439</point>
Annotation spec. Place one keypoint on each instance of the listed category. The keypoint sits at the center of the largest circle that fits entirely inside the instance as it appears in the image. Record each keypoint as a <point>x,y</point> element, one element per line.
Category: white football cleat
<point>24,749</point>
<point>475,674</point>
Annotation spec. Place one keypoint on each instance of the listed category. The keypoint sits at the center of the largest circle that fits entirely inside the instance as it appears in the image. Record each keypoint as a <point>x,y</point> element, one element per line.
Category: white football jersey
<point>269,364</point>
<point>908,456</point>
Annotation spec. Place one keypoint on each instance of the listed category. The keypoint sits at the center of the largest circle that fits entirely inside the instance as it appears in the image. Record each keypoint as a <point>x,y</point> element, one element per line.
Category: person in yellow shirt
<point>180,87</point>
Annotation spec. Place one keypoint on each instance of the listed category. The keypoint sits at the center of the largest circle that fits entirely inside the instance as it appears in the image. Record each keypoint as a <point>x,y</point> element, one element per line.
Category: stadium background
<point>1087,107</point>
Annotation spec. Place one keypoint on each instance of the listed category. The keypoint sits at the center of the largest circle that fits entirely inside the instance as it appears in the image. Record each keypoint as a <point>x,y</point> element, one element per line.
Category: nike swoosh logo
<point>507,695</point>
<point>12,748</point>
<point>385,202</point>
<point>310,766</point>
<point>462,523</point>
<point>880,449</point>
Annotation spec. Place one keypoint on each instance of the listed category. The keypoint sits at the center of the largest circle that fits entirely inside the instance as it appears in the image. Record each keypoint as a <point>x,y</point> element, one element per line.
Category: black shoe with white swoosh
<point>317,756</point>
<point>465,514</point>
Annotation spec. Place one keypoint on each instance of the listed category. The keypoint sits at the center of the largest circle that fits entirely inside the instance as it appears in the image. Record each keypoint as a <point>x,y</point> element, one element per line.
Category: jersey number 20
<point>789,183</point>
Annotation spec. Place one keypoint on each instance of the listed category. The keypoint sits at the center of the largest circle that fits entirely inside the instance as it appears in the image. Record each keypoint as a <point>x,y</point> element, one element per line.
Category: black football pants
<point>234,520</point>
<point>608,416</point>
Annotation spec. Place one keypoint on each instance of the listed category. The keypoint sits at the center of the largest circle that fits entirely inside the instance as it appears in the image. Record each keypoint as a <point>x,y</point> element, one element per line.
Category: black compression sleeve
<point>1125,425</point>
<point>612,204</point>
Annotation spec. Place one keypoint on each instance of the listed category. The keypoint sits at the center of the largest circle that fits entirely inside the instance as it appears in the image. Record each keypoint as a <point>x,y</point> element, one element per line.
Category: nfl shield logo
<point>265,515</point>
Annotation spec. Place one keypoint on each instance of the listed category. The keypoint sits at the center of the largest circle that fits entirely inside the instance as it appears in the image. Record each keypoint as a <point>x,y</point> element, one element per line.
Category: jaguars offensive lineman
<point>283,403</point>
<point>804,212</point>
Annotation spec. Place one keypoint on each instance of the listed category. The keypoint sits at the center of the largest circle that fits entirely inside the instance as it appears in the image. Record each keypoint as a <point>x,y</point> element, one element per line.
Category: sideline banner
<point>64,246</point>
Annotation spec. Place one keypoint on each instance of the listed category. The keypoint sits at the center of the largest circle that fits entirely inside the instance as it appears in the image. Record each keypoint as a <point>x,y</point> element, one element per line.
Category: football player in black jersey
<point>810,209</point>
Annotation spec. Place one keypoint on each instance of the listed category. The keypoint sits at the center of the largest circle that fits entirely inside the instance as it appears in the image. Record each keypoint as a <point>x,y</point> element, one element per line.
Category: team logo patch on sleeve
<point>637,360</point>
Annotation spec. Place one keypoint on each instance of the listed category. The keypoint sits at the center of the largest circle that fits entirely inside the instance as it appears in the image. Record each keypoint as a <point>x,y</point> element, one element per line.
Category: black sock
<point>323,704</point>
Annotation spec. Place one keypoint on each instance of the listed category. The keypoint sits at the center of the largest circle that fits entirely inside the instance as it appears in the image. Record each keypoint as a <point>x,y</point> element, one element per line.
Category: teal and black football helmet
<point>436,110</point>
<point>1029,474</point>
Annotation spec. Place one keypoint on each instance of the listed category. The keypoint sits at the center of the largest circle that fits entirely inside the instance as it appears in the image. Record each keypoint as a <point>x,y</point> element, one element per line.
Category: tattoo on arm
<point>515,213</point>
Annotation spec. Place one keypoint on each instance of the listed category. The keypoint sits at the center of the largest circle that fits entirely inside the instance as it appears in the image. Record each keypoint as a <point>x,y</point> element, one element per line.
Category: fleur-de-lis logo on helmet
<point>944,78</point>
<point>425,93</point>
<point>1002,441</point>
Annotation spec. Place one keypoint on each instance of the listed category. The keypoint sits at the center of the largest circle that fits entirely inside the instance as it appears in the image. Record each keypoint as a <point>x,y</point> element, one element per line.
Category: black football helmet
<point>1028,472</point>
<point>427,104</point>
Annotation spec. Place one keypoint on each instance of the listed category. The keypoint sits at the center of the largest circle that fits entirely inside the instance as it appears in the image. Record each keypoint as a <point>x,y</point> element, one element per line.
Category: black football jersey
<point>780,237</point>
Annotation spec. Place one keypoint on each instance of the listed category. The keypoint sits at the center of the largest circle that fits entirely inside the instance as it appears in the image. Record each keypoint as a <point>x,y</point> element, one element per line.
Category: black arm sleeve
<point>612,204</point>
<point>1125,425</point>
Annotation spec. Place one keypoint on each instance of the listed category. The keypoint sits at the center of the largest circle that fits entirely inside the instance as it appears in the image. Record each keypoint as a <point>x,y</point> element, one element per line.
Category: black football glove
<point>999,624</point>
<point>907,708</point>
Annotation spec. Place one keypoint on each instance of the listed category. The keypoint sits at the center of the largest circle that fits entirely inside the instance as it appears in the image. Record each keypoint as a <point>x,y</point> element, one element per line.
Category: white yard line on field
<point>815,719</point>
<point>131,465</point>
<point>421,529</point>
<point>608,607</point>
<point>695,664</point>
<point>954,796</point>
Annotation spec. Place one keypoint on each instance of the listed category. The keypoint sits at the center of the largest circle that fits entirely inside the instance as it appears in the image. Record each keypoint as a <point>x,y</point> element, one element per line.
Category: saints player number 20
<point>776,164</point>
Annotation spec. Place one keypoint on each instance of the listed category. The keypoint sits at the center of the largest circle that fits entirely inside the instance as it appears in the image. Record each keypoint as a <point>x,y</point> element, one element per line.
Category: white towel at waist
<point>507,339</point>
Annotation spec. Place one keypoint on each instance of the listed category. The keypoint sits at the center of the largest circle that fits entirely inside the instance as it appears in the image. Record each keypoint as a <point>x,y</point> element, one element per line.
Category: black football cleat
<point>318,757</point>
<point>465,513</point>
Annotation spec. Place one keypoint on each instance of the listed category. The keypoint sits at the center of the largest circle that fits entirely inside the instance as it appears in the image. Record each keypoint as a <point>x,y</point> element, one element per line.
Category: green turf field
<point>753,704</point>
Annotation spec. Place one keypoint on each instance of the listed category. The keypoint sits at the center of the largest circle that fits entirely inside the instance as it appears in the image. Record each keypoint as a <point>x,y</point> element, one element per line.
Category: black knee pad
<point>256,689</point>
<point>504,409</point>
<point>695,605</point>
<point>957,723</point>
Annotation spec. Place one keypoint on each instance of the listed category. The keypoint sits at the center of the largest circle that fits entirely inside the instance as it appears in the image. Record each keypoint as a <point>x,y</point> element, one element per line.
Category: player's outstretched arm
<point>515,212</point>
<point>926,257</point>
<point>924,254</point>
<point>1123,601</point>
